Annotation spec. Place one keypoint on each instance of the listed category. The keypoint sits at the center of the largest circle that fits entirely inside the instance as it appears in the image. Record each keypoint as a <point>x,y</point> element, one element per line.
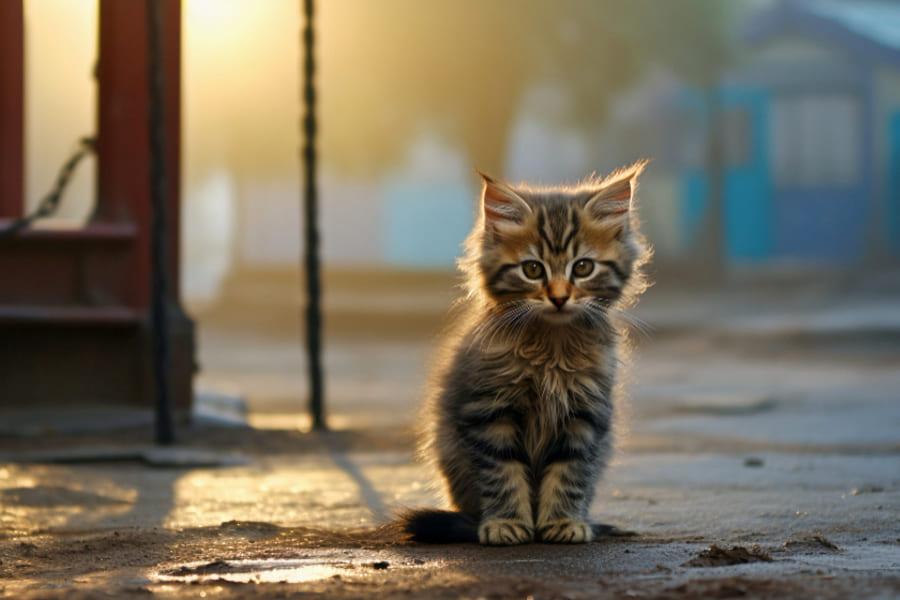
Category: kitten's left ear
<point>612,200</point>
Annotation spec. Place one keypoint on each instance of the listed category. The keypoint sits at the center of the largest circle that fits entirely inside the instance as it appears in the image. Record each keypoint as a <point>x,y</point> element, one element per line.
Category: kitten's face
<point>558,254</point>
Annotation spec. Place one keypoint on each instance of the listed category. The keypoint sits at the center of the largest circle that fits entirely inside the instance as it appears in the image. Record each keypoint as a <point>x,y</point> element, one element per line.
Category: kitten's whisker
<point>601,313</point>
<point>508,323</point>
<point>512,322</point>
<point>596,311</point>
<point>636,324</point>
<point>498,319</point>
<point>496,311</point>
<point>520,321</point>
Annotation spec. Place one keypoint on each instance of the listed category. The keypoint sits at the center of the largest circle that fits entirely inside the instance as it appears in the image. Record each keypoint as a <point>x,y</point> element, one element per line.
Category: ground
<point>757,458</point>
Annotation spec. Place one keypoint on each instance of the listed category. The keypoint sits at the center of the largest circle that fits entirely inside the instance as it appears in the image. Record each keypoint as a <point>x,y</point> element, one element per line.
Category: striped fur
<point>520,415</point>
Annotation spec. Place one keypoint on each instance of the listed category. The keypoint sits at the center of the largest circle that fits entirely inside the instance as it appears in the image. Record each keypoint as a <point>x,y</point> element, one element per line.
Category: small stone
<point>753,461</point>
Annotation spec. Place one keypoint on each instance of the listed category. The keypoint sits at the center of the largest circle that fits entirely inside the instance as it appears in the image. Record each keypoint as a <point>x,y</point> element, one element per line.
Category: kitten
<point>519,420</point>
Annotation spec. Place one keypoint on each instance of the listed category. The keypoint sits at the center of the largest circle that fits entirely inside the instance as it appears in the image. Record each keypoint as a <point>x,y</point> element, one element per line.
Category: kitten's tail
<point>435,526</point>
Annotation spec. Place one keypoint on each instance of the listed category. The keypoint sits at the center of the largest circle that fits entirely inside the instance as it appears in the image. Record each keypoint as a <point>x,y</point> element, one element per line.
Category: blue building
<point>810,129</point>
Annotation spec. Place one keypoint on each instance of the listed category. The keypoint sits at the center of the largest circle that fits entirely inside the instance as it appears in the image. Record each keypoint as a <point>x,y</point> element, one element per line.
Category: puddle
<point>286,570</point>
<point>251,571</point>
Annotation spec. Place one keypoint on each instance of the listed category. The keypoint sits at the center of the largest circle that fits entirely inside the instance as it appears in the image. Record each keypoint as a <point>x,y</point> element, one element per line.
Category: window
<point>816,139</point>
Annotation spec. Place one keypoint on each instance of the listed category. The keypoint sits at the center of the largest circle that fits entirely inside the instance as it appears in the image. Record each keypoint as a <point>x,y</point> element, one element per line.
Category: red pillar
<point>123,148</point>
<point>11,108</point>
<point>123,167</point>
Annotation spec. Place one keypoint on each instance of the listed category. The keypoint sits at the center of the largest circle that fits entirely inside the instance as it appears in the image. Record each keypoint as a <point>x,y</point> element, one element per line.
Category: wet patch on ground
<point>313,566</point>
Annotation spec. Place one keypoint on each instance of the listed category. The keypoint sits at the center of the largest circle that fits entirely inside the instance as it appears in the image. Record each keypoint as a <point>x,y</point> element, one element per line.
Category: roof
<point>868,27</point>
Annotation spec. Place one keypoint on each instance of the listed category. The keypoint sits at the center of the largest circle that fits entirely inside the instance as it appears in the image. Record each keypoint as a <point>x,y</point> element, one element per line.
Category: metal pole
<point>311,233</point>
<point>159,317</point>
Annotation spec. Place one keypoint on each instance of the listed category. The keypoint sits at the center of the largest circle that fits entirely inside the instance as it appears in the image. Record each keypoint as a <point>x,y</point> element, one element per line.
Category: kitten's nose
<point>558,301</point>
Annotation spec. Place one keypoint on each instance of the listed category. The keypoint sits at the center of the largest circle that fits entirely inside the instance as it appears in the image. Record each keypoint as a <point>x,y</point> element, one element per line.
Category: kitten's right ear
<point>501,205</point>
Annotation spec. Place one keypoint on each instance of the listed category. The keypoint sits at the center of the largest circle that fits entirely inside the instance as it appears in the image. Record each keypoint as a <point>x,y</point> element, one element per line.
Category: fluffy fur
<point>520,412</point>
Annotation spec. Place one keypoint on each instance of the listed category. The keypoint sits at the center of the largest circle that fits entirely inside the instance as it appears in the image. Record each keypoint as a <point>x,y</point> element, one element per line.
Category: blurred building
<point>808,139</point>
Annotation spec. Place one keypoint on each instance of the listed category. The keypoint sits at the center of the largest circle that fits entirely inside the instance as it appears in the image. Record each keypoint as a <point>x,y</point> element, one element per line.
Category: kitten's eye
<point>583,267</point>
<point>533,269</point>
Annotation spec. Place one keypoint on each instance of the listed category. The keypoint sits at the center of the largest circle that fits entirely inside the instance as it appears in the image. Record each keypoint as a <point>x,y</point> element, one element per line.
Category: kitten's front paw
<point>505,532</point>
<point>565,531</point>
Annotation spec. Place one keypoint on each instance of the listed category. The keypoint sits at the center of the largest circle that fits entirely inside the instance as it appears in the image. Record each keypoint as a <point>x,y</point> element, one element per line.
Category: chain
<point>50,202</point>
<point>310,217</point>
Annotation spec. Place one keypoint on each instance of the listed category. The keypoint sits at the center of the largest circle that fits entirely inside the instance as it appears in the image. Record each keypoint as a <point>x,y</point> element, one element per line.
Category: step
<point>68,315</point>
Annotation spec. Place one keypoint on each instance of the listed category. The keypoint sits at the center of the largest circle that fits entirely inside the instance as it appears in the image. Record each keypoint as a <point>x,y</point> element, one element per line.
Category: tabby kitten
<point>520,412</point>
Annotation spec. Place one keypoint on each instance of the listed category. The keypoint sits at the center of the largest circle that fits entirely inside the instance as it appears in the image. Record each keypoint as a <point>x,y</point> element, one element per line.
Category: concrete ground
<point>758,458</point>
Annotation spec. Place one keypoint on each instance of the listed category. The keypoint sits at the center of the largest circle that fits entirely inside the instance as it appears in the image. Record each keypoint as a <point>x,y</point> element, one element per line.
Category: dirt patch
<point>732,587</point>
<point>811,543</point>
<point>716,556</point>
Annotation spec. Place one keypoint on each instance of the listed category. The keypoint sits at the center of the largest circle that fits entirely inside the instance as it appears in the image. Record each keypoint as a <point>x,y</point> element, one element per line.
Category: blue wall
<point>893,192</point>
<point>425,224</point>
<point>748,210</point>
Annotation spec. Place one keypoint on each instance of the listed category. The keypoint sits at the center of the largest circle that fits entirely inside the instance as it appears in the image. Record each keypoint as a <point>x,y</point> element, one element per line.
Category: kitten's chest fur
<point>552,377</point>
